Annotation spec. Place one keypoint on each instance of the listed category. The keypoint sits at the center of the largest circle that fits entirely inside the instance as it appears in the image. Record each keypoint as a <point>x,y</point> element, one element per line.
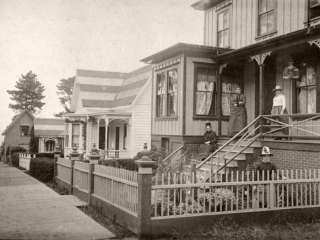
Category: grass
<point>97,215</point>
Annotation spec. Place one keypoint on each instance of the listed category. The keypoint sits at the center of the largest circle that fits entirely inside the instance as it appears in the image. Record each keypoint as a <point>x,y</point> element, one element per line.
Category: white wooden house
<point>50,132</point>
<point>111,110</point>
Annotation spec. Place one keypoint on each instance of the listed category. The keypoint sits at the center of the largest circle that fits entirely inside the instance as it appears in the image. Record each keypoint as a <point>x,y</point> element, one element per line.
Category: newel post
<point>57,153</point>
<point>74,157</point>
<point>145,166</point>
<point>94,159</point>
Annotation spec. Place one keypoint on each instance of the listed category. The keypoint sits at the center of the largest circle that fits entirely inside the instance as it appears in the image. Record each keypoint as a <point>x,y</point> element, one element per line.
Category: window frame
<point>48,145</point>
<point>221,11</point>
<point>258,36</point>
<point>311,8</point>
<point>214,68</point>
<point>165,114</point>
<point>21,131</point>
<point>72,135</point>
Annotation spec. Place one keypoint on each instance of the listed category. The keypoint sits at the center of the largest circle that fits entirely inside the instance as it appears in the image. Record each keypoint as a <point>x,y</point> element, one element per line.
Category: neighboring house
<point>50,132</point>
<point>247,43</point>
<point>17,134</point>
<point>111,110</point>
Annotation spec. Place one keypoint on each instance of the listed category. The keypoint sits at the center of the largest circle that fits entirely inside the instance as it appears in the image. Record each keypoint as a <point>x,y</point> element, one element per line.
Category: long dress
<point>238,114</point>
<point>276,110</point>
<point>205,149</point>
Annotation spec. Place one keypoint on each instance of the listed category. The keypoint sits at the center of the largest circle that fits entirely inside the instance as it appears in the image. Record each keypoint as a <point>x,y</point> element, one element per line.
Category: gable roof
<point>107,90</point>
<point>49,127</point>
<point>16,119</point>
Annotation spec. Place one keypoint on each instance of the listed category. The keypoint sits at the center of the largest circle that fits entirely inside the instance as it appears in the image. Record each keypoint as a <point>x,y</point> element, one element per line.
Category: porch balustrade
<point>115,154</point>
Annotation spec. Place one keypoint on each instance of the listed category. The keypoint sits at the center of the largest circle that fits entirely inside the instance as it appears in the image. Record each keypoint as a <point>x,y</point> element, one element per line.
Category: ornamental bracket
<point>260,57</point>
<point>221,67</point>
<point>316,42</point>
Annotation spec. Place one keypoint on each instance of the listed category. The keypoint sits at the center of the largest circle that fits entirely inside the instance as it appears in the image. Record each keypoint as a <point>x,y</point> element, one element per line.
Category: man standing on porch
<point>279,108</point>
<point>238,113</point>
<point>209,143</point>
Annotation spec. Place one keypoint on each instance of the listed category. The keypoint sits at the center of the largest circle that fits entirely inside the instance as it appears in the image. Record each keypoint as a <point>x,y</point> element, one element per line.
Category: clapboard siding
<point>168,126</point>
<point>141,121</point>
<point>290,17</point>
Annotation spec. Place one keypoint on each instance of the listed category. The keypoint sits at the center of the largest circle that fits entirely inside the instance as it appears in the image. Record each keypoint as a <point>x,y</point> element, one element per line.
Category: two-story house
<point>247,43</point>
<point>111,110</point>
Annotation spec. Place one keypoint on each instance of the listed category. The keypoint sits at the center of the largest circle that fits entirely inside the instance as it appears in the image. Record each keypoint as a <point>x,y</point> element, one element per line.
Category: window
<point>223,29</point>
<point>167,90</point>
<point>206,91</point>
<point>75,134</point>
<point>314,8</point>
<point>24,131</point>
<point>50,146</point>
<point>60,143</point>
<point>266,17</point>
<point>306,90</point>
<point>67,135</point>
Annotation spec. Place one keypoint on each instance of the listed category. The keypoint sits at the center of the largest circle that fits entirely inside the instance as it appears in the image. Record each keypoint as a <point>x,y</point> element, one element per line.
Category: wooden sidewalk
<point>31,210</point>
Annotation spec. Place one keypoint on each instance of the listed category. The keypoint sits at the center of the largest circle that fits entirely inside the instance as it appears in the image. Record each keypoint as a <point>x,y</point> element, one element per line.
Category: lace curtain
<point>307,92</point>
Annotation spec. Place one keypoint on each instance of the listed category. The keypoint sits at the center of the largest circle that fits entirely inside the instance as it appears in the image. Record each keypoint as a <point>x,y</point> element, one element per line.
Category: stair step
<point>224,140</point>
<point>240,156</point>
<point>236,149</point>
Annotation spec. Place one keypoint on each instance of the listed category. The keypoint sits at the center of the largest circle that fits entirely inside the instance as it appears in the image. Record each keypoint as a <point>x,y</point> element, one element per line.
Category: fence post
<point>144,194</point>
<point>94,155</point>
<point>74,157</point>
<point>91,181</point>
<point>57,153</point>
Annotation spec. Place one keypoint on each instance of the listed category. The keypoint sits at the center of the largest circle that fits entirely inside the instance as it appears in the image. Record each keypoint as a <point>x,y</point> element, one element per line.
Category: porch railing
<point>115,154</point>
<point>286,126</point>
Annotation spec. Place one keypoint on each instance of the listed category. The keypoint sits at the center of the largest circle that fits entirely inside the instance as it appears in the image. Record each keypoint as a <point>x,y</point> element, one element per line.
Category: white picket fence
<point>184,194</point>
<point>64,170</point>
<point>24,160</point>
<point>81,176</point>
<point>116,186</point>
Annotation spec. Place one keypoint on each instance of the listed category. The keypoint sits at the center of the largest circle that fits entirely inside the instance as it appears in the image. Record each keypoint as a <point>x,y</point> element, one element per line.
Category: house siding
<point>290,17</point>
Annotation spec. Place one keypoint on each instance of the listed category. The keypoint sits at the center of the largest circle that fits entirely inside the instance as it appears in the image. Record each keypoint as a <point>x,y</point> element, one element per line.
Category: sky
<point>54,38</point>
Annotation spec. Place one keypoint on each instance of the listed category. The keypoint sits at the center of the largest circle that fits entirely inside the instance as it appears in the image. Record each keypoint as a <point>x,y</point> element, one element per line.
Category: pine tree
<point>65,89</point>
<point>28,95</point>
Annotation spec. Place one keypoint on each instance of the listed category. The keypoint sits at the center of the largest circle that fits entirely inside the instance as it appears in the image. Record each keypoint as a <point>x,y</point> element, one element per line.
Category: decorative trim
<point>221,67</point>
<point>260,57</point>
<point>167,64</point>
<point>125,119</point>
<point>316,42</point>
<point>266,36</point>
<point>222,5</point>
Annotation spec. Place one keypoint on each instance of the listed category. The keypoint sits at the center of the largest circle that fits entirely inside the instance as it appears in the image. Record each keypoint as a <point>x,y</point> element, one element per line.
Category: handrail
<point>229,141</point>
<point>175,151</point>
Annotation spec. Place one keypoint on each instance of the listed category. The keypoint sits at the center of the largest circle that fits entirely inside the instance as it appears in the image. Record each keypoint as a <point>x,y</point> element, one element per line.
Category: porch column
<point>106,132</point>
<point>98,125</point>
<point>88,137</point>
<point>70,136</point>
<point>80,136</point>
<point>260,60</point>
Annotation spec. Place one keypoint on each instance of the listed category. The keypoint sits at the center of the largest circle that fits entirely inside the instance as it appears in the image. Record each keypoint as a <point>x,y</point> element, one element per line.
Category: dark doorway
<point>270,82</point>
<point>117,138</point>
<point>102,137</point>
<point>165,143</point>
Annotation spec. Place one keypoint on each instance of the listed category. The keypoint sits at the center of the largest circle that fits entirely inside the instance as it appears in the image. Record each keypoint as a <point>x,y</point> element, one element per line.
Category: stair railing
<point>241,140</point>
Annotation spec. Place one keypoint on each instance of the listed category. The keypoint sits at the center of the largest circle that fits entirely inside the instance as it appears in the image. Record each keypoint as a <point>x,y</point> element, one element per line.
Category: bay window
<point>206,91</point>
<point>266,17</point>
<point>167,93</point>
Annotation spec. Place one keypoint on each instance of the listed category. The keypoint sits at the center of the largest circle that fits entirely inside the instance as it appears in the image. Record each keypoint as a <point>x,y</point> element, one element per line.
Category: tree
<point>34,142</point>
<point>28,95</point>
<point>65,88</point>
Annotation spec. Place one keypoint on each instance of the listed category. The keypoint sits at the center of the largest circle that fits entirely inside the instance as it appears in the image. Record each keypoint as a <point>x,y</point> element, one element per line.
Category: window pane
<point>263,24</point>
<point>311,76</point>
<point>161,84</point>
<point>262,6</point>
<point>201,103</point>
<point>314,2</point>
<point>75,129</point>
<point>160,104</point>
<point>270,4</point>
<point>173,81</point>
<point>271,21</point>
<point>226,19</point>
<point>220,40</point>
<point>172,104</point>
<point>220,22</point>
<point>226,38</point>
<point>201,79</point>
<point>225,104</point>
<point>312,92</point>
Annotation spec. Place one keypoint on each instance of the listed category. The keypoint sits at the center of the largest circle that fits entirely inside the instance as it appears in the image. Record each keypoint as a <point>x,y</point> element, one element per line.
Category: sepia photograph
<point>148,119</point>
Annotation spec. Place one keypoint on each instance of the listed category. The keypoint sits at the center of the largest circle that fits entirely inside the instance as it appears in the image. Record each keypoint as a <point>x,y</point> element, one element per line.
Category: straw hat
<point>266,152</point>
<point>277,88</point>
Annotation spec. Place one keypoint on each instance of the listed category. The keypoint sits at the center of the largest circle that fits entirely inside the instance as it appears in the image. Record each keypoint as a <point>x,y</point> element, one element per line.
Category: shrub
<point>125,163</point>
<point>15,159</point>
<point>42,169</point>
<point>45,155</point>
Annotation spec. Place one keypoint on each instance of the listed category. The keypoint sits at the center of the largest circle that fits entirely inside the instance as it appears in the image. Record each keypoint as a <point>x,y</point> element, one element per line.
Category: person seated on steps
<point>209,143</point>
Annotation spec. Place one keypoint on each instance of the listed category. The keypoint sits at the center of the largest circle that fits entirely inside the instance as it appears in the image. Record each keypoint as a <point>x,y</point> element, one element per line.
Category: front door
<point>270,82</point>
<point>117,138</point>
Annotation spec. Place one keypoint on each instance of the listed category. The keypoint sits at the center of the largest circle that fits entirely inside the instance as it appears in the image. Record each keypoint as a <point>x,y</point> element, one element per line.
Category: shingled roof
<point>16,119</point>
<point>98,89</point>
<point>49,127</point>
